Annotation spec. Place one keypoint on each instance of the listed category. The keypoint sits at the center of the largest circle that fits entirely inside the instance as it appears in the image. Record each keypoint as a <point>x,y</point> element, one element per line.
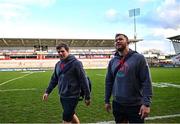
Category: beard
<point>121,49</point>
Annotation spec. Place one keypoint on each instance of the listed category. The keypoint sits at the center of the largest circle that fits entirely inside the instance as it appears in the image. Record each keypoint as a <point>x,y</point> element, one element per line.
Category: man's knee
<point>67,117</point>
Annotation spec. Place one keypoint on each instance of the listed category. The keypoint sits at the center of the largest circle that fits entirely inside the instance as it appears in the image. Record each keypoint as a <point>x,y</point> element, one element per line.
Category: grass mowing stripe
<point>18,89</point>
<point>14,79</point>
<point>101,75</point>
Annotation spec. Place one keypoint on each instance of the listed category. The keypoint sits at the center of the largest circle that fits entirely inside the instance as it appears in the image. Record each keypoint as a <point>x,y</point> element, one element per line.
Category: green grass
<point>28,107</point>
<point>166,75</point>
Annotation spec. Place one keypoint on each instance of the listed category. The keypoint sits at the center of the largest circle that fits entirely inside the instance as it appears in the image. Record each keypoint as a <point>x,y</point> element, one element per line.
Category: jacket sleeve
<point>146,82</point>
<point>109,81</point>
<point>83,79</point>
<point>53,82</point>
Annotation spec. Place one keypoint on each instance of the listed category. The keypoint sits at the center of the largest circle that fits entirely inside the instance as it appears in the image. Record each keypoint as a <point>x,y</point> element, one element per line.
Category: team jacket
<point>131,85</point>
<point>70,82</point>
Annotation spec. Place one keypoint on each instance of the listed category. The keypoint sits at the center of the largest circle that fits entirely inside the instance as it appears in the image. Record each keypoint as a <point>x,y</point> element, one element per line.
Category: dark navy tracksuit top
<point>70,82</point>
<point>131,85</point>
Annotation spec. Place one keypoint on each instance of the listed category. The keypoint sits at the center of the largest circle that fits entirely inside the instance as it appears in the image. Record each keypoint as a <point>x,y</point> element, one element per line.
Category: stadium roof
<point>174,38</point>
<point>31,42</point>
<point>176,43</point>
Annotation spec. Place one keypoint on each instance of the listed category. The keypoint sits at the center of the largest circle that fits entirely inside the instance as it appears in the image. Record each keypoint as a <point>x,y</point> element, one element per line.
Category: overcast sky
<point>158,20</point>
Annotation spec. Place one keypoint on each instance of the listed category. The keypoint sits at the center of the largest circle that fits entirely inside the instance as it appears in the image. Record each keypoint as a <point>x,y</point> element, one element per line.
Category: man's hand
<point>144,111</point>
<point>108,107</point>
<point>45,97</point>
<point>87,102</point>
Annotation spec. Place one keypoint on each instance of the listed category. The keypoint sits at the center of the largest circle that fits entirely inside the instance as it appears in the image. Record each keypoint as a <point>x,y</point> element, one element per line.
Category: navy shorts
<point>126,113</point>
<point>69,106</point>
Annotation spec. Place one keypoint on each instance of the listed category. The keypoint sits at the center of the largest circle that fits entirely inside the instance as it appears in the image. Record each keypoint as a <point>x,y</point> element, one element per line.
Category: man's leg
<point>133,114</point>
<point>69,105</point>
<point>119,113</point>
<point>75,119</point>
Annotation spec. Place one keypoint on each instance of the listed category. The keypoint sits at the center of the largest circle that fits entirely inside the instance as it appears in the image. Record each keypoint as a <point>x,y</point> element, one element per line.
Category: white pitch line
<point>165,84</point>
<point>14,79</point>
<point>156,84</point>
<point>18,89</point>
<point>162,117</point>
<point>148,118</point>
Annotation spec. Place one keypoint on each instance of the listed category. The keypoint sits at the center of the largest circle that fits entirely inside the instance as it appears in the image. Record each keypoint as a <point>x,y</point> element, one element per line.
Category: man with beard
<point>69,83</point>
<point>128,80</point>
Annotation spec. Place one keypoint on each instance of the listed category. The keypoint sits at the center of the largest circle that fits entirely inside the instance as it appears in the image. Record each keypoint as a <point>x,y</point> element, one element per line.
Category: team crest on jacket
<point>123,70</point>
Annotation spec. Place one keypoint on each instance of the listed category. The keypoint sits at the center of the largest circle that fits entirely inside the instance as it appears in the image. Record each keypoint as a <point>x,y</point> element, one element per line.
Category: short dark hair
<point>118,34</point>
<point>62,45</point>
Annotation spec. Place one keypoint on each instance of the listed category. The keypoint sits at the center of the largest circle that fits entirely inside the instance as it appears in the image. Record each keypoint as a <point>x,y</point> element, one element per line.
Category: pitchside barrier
<point>50,63</point>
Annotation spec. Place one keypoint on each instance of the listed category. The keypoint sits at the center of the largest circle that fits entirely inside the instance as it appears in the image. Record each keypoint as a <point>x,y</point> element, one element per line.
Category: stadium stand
<point>176,44</point>
<point>30,42</point>
<point>41,52</point>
